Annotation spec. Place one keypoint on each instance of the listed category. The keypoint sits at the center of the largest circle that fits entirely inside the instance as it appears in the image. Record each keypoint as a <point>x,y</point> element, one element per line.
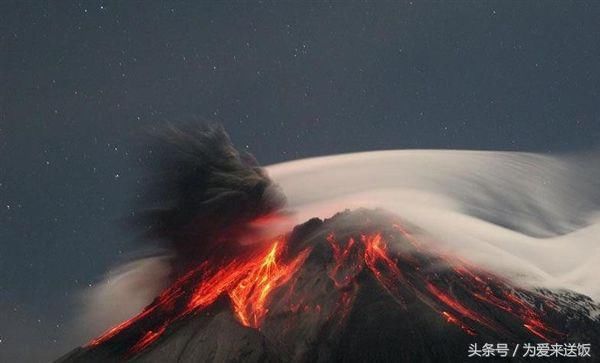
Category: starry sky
<point>81,80</point>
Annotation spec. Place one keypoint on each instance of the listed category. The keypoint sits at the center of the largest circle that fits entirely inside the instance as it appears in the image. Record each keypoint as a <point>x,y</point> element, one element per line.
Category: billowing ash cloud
<point>200,192</point>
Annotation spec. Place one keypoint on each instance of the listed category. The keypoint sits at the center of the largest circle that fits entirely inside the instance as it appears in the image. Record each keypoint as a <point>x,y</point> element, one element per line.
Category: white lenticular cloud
<point>532,218</point>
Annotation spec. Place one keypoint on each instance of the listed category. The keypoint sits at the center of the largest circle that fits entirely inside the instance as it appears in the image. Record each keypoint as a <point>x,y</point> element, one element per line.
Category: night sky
<point>82,80</point>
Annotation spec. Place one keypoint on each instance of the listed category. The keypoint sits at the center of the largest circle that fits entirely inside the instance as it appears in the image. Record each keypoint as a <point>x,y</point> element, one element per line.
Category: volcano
<point>360,286</point>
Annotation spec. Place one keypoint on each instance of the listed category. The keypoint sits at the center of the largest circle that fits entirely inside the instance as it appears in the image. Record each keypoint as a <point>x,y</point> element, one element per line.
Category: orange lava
<point>147,339</point>
<point>384,265</point>
<point>458,307</point>
<point>249,296</point>
<point>248,280</point>
<point>454,320</point>
<point>384,268</point>
<point>345,265</point>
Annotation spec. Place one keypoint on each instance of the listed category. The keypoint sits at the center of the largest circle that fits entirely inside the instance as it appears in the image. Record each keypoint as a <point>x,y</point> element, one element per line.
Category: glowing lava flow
<point>248,280</point>
<point>350,258</point>
<point>464,296</point>
<point>250,295</point>
<point>382,265</point>
<point>458,307</point>
<point>346,266</point>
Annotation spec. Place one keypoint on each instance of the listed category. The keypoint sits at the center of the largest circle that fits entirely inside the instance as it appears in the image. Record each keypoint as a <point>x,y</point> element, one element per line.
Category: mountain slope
<point>360,286</point>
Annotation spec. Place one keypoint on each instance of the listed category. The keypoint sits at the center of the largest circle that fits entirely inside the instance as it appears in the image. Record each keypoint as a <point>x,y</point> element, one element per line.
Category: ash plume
<point>200,192</point>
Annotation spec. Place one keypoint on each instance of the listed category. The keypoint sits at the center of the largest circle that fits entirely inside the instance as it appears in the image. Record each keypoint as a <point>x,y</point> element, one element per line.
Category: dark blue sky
<point>81,80</point>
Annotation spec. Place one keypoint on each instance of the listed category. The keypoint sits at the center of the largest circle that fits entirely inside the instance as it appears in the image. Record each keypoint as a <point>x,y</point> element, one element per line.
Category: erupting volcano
<point>358,277</point>
<point>363,285</point>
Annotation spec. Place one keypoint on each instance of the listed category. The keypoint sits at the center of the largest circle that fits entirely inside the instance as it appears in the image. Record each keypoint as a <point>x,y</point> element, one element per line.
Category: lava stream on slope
<point>264,278</point>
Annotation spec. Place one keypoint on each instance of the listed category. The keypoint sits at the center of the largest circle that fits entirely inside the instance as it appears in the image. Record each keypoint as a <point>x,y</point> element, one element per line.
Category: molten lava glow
<point>148,338</point>
<point>248,280</point>
<point>489,290</point>
<point>454,320</point>
<point>381,264</point>
<point>458,307</point>
<point>346,266</point>
<point>408,273</point>
<point>249,296</point>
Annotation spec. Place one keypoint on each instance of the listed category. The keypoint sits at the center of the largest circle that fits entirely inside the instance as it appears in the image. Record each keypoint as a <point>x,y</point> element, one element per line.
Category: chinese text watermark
<point>537,350</point>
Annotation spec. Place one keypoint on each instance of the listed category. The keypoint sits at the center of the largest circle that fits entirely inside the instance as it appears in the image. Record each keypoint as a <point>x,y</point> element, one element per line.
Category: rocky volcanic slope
<point>360,286</point>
